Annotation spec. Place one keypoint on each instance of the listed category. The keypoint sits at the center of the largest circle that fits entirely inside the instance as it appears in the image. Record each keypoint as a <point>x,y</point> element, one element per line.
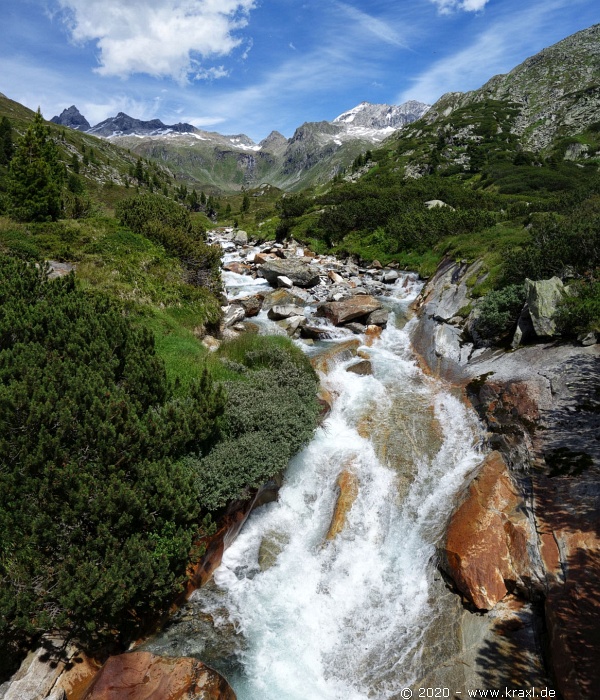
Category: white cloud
<point>380,29</point>
<point>496,50</point>
<point>163,38</point>
<point>448,6</point>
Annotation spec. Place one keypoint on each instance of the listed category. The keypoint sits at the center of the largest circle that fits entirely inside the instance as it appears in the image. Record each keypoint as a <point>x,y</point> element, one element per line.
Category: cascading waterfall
<point>347,618</point>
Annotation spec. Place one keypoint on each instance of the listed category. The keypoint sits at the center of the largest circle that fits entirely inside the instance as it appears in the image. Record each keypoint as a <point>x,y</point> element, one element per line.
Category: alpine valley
<point>315,154</point>
<point>312,418</point>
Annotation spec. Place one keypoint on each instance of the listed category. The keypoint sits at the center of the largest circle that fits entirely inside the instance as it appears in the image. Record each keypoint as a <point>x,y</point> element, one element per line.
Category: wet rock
<point>347,483</point>
<point>261,258</point>
<point>340,352</point>
<point>378,318</point>
<point>233,315</point>
<point>240,237</point>
<point>339,312</point>
<point>587,339</point>
<point>279,312</point>
<point>543,298</point>
<point>372,333</point>
<point>143,676</point>
<point>315,332</point>
<point>390,276</point>
<point>271,546</point>
<point>292,323</point>
<point>364,367</point>
<point>300,273</point>
<point>486,539</point>
<point>237,267</point>
<point>252,305</point>
<point>283,297</point>
<point>356,328</point>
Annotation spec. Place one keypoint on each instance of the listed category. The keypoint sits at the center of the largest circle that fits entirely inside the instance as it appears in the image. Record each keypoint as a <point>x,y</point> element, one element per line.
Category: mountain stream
<point>295,614</point>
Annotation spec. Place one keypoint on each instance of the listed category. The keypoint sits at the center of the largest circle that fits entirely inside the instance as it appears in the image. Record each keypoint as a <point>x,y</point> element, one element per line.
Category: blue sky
<point>250,66</point>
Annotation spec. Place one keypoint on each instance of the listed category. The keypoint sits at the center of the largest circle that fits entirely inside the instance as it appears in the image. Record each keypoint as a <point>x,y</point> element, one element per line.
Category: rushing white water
<point>344,619</point>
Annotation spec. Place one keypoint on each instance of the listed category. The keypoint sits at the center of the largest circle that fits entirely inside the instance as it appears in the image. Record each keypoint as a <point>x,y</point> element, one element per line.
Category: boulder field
<point>527,527</point>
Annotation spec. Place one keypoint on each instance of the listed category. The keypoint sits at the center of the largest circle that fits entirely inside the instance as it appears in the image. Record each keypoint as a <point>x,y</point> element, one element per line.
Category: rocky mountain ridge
<point>315,153</point>
<point>556,91</point>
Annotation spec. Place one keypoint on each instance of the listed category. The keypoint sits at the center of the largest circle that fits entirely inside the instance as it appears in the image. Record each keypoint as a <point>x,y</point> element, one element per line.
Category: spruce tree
<point>6,141</point>
<point>35,176</point>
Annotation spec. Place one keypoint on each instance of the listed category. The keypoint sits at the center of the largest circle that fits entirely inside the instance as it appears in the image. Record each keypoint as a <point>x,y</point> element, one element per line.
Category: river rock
<point>252,305</point>
<point>335,278</point>
<point>378,318</point>
<point>143,676</point>
<point>372,333</point>
<point>299,272</point>
<point>233,315</point>
<point>283,297</point>
<point>543,298</point>
<point>355,327</point>
<point>315,332</point>
<point>279,312</point>
<point>390,276</point>
<point>486,540</point>
<point>339,312</point>
<point>340,352</point>
<point>364,367</point>
<point>291,324</point>
<point>285,282</point>
<point>261,258</point>
<point>347,483</point>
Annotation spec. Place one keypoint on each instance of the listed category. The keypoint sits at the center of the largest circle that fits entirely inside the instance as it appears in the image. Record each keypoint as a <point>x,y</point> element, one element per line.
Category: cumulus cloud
<point>163,38</point>
<point>448,6</point>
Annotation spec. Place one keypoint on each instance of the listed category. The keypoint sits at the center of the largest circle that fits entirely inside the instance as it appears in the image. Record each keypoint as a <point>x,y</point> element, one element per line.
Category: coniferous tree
<point>6,141</point>
<point>35,175</point>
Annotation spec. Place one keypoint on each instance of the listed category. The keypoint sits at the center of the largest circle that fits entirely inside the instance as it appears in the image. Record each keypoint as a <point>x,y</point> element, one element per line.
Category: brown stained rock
<point>372,334</point>
<point>143,676</point>
<point>77,676</point>
<point>252,305</point>
<point>347,482</point>
<point>261,258</point>
<point>238,268</point>
<point>339,312</point>
<point>486,539</point>
<point>337,353</point>
<point>362,368</point>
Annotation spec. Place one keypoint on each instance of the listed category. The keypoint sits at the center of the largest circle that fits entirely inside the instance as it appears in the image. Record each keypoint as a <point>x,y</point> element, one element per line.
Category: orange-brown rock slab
<point>347,482</point>
<point>143,676</point>
<point>486,540</point>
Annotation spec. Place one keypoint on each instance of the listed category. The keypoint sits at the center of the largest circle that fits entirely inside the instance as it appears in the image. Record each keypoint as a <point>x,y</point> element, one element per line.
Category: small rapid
<point>346,618</point>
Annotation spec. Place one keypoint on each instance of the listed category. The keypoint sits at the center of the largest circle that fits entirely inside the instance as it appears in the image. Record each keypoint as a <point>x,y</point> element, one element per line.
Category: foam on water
<point>344,619</point>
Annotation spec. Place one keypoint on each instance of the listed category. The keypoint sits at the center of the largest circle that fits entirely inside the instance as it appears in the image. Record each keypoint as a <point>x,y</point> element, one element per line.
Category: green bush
<point>271,413</point>
<point>498,311</point>
<point>579,311</point>
<point>97,510</point>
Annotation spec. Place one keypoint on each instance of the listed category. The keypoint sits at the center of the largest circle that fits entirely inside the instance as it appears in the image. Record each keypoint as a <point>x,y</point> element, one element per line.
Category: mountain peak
<point>72,118</point>
<point>382,116</point>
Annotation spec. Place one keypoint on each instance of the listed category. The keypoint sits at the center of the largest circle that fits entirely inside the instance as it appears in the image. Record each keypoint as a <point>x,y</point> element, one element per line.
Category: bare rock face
<point>486,545</point>
<point>339,312</point>
<point>543,298</point>
<point>143,676</point>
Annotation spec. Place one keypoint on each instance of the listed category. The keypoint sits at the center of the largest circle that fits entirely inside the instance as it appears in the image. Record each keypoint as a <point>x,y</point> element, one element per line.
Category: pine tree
<point>6,141</point>
<point>245,203</point>
<point>35,175</point>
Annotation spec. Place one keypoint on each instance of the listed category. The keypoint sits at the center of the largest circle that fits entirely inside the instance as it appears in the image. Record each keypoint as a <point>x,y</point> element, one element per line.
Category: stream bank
<point>539,499</point>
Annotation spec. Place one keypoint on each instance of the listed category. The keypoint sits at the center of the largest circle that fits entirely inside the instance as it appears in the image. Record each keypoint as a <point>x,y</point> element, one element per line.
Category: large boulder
<point>340,312</point>
<point>279,312</point>
<point>143,676</point>
<point>283,297</point>
<point>543,297</point>
<point>301,273</point>
<point>486,541</point>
